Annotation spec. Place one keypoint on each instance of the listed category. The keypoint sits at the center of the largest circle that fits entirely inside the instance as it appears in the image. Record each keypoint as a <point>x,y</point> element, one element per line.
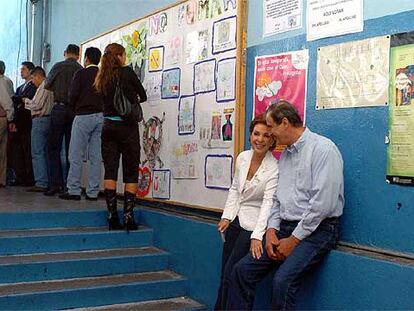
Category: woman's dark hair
<point>283,109</point>
<point>93,54</point>
<point>260,119</point>
<point>109,66</point>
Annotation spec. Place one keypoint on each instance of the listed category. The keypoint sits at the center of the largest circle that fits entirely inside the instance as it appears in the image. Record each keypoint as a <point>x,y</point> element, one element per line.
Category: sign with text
<point>328,18</point>
<point>281,16</point>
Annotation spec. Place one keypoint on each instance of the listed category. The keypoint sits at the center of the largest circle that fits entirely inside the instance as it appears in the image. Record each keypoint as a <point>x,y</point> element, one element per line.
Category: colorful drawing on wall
<point>161,184</point>
<point>191,47</point>
<point>203,41</point>
<point>152,84</point>
<point>227,128</point>
<point>144,181</point>
<point>158,23</point>
<point>204,76</point>
<point>281,76</point>
<point>170,87</point>
<point>185,160</point>
<point>229,4</point>
<point>152,141</point>
<point>216,8</point>
<point>216,125</point>
<point>174,51</point>
<point>135,49</point>
<point>186,115</point>
<point>226,80</point>
<point>203,9</point>
<point>156,58</point>
<point>218,171</point>
<point>190,12</point>
<point>224,35</point>
<point>181,14</point>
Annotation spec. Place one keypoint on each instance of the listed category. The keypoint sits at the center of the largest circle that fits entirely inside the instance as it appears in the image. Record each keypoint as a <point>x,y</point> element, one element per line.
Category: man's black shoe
<point>68,196</point>
<point>51,192</point>
<point>88,198</point>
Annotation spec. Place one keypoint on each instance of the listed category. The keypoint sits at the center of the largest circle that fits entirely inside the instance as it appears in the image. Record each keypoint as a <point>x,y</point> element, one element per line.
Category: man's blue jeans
<point>289,274</point>
<point>86,135</point>
<point>40,162</point>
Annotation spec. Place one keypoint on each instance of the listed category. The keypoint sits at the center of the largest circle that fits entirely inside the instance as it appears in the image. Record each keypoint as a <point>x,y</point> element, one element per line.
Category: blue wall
<point>13,36</point>
<point>371,216</point>
<point>343,281</point>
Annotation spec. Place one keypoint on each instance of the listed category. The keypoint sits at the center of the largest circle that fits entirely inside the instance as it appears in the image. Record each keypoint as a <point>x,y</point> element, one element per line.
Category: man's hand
<point>223,225</point>
<point>272,243</point>
<point>287,245</point>
<point>256,248</point>
<point>12,127</point>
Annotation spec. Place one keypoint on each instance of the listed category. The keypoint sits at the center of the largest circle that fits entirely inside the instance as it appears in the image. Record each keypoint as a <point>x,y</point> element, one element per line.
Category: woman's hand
<point>256,248</point>
<point>223,225</point>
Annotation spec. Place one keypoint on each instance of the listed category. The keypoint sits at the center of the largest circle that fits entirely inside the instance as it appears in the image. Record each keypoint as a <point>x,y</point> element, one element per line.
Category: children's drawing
<point>224,35</point>
<point>203,40</point>
<point>144,182</point>
<point>181,14</point>
<point>218,171</point>
<point>156,58</point>
<point>226,80</point>
<point>203,9</point>
<point>186,124</point>
<point>227,128</point>
<point>158,23</point>
<point>152,84</point>
<point>190,12</point>
<point>135,49</point>
<point>170,87</point>
<point>229,4</point>
<point>184,164</point>
<point>174,51</point>
<point>191,47</point>
<point>216,8</point>
<point>152,141</point>
<point>204,76</point>
<point>216,126</point>
<point>161,184</point>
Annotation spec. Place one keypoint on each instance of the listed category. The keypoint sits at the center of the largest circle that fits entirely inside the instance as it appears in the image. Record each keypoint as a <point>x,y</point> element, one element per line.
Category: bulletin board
<point>189,57</point>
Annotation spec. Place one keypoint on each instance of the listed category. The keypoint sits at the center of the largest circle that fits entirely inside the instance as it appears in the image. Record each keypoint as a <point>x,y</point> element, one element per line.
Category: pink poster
<point>281,76</point>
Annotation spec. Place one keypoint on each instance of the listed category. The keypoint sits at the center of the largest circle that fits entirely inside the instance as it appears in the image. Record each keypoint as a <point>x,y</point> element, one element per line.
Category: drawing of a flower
<point>135,47</point>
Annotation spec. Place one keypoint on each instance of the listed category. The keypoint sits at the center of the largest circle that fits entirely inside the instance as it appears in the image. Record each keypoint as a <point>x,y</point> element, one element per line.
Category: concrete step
<point>70,239</point>
<point>179,303</point>
<point>86,292</point>
<point>48,266</point>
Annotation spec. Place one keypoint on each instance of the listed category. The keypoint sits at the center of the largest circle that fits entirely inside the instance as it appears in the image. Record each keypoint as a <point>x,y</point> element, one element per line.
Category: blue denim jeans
<point>289,274</point>
<point>40,132</point>
<point>86,136</point>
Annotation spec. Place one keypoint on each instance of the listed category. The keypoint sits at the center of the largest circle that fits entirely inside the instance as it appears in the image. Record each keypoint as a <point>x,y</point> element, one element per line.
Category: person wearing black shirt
<point>85,139</point>
<point>58,81</point>
<point>20,160</point>
<point>119,136</point>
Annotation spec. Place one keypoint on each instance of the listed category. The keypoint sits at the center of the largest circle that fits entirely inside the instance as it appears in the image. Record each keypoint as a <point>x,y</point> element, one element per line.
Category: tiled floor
<point>17,199</point>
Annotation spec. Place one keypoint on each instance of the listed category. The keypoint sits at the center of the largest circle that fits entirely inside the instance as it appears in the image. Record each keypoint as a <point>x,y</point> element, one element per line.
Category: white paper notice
<point>328,18</point>
<point>281,16</point>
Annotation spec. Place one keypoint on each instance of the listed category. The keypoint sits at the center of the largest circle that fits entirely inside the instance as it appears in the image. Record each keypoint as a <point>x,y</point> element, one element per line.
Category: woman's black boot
<point>129,204</point>
<point>111,204</point>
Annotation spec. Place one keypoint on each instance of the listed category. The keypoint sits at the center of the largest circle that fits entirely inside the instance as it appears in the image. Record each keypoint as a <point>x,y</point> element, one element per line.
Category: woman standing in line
<point>248,204</point>
<point>119,135</point>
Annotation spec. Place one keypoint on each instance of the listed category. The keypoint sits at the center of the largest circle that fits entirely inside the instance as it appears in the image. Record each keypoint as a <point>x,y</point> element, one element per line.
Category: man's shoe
<point>51,192</point>
<point>68,196</point>
<point>37,189</point>
<point>88,198</point>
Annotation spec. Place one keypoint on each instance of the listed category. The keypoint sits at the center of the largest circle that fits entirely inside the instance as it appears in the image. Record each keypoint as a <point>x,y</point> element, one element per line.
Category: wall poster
<point>281,16</point>
<point>353,74</point>
<point>400,166</point>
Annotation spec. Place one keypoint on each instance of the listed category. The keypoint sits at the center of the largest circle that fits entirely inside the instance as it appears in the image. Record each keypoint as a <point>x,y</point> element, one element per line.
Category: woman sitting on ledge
<point>248,204</point>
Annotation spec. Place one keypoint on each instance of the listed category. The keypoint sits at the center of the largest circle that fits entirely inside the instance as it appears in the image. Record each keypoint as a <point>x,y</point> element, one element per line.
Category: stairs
<point>85,267</point>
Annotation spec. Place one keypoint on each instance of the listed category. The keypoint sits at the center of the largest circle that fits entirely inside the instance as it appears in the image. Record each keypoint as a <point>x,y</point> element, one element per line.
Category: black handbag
<point>128,111</point>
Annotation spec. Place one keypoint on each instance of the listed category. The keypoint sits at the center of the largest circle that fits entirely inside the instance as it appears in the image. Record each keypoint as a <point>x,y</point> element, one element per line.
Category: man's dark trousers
<point>289,274</point>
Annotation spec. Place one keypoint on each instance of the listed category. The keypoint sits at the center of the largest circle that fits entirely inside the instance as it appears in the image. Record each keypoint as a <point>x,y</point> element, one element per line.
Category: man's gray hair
<point>283,109</point>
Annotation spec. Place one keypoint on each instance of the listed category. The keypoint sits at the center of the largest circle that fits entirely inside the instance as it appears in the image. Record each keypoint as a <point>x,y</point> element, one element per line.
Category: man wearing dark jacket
<point>85,141</point>
<point>21,155</point>
<point>58,81</point>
